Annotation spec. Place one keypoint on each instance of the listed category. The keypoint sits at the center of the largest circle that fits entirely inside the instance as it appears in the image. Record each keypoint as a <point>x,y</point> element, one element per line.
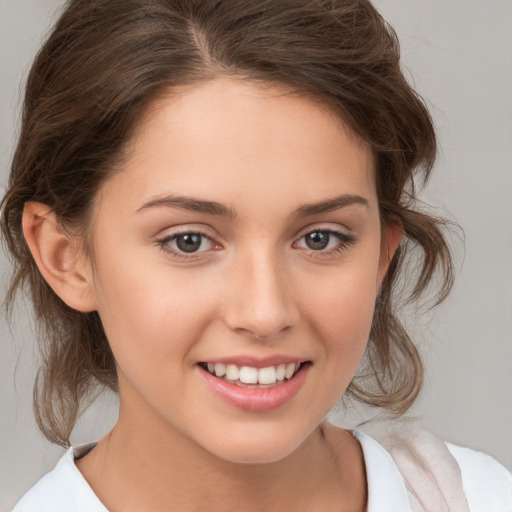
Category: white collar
<point>386,486</point>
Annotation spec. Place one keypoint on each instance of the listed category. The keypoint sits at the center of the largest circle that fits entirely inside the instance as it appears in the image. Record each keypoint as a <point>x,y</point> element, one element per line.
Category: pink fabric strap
<point>432,475</point>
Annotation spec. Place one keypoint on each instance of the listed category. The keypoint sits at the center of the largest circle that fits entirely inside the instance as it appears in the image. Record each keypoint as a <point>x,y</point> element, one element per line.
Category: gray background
<point>459,54</point>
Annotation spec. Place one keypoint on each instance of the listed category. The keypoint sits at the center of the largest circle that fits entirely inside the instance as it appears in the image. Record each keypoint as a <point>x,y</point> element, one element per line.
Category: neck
<point>129,470</point>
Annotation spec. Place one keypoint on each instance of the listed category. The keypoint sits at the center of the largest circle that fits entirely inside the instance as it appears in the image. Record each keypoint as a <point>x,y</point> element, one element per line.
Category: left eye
<point>321,240</point>
<point>188,242</point>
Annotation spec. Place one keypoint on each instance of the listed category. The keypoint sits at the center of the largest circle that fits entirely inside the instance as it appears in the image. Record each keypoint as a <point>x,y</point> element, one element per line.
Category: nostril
<point>259,335</point>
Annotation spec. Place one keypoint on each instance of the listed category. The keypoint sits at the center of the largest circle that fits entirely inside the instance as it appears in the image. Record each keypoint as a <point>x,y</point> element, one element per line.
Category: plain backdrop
<point>458,53</point>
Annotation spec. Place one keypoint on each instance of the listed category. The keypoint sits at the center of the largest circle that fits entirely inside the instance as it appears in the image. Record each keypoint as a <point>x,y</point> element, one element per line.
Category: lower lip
<point>255,399</point>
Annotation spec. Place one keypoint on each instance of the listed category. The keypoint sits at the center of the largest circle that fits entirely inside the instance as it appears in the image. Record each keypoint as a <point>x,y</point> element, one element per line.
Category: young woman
<point>211,203</point>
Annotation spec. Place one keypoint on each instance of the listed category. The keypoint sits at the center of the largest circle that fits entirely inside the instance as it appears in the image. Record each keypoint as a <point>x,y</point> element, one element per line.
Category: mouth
<point>254,389</point>
<point>252,377</point>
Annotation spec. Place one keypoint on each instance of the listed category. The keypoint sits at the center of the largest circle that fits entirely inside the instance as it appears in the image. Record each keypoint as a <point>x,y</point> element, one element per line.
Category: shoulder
<point>63,489</point>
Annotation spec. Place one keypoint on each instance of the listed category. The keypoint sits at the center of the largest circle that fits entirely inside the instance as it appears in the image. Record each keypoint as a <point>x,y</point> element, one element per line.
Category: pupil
<point>188,243</point>
<point>317,240</point>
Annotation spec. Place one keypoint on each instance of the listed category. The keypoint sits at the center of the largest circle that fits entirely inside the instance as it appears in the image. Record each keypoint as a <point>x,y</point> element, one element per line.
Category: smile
<point>254,389</point>
<point>249,376</point>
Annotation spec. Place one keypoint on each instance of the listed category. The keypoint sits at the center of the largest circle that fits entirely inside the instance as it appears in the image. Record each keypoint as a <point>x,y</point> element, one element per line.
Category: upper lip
<point>256,362</point>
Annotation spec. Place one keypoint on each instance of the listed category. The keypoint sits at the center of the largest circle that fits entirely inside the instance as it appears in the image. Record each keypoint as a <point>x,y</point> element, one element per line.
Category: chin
<point>254,454</point>
<point>257,446</point>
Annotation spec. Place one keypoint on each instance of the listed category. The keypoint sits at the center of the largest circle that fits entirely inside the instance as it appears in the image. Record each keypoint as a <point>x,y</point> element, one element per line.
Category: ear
<point>58,257</point>
<point>392,234</point>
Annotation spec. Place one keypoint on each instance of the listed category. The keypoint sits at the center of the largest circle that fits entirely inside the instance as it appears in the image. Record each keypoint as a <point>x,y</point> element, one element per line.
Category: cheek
<point>345,318</point>
<point>151,315</point>
<point>341,310</point>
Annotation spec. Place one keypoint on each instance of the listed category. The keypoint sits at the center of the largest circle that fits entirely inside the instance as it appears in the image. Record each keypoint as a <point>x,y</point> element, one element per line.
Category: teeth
<point>290,370</point>
<point>232,372</point>
<point>250,375</point>
<point>267,375</point>
<point>220,369</point>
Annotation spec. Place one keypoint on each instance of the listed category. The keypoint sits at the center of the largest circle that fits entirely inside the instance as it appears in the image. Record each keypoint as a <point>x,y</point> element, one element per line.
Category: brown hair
<point>92,80</point>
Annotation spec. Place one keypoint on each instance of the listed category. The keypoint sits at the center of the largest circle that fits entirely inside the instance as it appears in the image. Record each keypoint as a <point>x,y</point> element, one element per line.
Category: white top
<point>487,485</point>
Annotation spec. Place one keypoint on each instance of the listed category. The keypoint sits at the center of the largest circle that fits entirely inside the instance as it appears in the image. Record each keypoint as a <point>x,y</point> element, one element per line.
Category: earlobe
<point>57,257</point>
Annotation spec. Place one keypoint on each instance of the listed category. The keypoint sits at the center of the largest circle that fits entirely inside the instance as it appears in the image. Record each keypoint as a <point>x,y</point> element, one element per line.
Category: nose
<point>260,301</point>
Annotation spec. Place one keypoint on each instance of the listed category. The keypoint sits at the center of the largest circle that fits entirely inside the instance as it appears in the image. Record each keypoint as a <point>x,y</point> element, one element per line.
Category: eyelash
<point>164,245</point>
<point>345,241</point>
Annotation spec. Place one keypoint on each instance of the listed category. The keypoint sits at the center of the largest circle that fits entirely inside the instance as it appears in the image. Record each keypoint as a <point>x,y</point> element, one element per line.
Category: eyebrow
<point>192,204</point>
<point>214,208</point>
<point>329,205</point>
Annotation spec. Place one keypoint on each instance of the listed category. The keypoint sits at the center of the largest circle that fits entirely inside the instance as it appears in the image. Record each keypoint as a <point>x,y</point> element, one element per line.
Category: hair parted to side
<point>92,80</point>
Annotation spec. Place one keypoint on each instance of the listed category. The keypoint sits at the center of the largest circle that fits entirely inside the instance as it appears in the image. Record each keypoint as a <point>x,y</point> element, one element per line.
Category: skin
<point>253,288</point>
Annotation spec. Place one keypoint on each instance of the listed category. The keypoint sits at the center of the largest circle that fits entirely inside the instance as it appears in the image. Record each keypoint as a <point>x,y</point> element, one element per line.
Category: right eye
<point>190,242</point>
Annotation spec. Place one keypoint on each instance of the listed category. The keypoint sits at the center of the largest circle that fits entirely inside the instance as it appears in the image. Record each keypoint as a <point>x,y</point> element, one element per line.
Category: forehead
<point>231,140</point>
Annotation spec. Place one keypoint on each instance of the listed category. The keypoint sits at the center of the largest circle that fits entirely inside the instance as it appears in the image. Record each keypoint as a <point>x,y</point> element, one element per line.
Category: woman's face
<point>242,235</point>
